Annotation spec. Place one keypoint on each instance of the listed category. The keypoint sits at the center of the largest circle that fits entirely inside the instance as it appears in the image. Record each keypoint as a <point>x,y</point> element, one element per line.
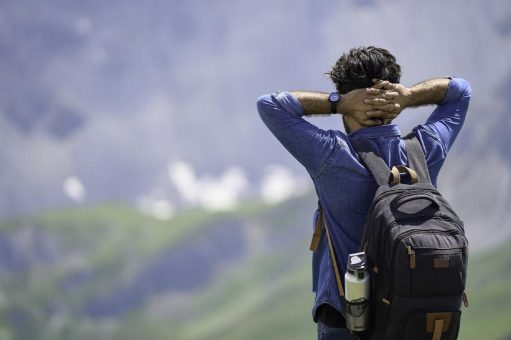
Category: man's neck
<point>350,125</point>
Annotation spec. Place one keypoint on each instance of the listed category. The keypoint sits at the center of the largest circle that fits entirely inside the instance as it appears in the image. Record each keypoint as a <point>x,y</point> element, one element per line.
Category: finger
<point>380,84</point>
<point>363,119</point>
<point>376,113</point>
<point>385,84</point>
<point>382,114</point>
<point>369,123</point>
<point>376,101</point>
<point>390,95</point>
<point>391,107</point>
<point>373,122</point>
<point>374,91</point>
<point>383,94</point>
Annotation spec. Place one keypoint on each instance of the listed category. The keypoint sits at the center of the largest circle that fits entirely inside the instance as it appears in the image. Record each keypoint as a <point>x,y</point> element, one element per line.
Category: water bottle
<point>357,293</point>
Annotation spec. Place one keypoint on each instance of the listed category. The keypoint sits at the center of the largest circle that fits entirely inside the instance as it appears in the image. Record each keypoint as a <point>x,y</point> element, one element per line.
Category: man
<point>367,79</point>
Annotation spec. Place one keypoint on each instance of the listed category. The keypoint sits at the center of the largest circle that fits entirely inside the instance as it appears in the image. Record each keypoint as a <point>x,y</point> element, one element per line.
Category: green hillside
<point>109,272</point>
<point>489,288</point>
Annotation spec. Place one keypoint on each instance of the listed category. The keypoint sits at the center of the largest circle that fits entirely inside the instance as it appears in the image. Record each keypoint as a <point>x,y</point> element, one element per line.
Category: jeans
<point>329,333</point>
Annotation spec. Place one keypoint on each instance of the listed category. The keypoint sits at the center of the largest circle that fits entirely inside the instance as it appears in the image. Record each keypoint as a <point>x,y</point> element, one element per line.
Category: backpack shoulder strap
<point>315,242</point>
<point>316,237</point>
<point>374,163</point>
<point>334,262</point>
<point>416,158</point>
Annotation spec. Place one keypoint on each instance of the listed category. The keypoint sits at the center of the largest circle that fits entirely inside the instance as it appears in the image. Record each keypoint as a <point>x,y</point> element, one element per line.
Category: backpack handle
<point>380,170</point>
<point>396,172</point>
<point>401,200</point>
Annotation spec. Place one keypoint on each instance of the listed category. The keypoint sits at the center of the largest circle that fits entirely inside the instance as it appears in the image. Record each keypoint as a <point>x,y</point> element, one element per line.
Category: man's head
<point>357,68</point>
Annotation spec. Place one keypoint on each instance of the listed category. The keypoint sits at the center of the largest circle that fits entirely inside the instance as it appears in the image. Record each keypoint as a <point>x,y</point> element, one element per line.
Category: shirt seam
<point>435,138</point>
<point>328,161</point>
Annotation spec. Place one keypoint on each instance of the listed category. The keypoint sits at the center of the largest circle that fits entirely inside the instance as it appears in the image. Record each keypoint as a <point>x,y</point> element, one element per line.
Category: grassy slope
<point>489,289</point>
<point>265,296</point>
<point>285,313</point>
<point>113,238</point>
<point>265,308</point>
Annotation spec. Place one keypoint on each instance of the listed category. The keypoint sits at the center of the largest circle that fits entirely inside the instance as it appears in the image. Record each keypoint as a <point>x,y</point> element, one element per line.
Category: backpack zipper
<point>381,196</point>
<point>388,193</point>
<point>433,251</point>
<point>465,299</point>
<point>383,240</point>
<point>390,274</point>
<point>411,255</point>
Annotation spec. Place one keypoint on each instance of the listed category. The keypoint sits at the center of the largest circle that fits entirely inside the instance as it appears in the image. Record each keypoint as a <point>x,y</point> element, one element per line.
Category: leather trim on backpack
<point>431,319</point>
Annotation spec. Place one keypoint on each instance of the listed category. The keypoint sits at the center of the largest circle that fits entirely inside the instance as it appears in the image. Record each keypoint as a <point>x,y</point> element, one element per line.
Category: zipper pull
<point>411,253</point>
<point>465,299</point>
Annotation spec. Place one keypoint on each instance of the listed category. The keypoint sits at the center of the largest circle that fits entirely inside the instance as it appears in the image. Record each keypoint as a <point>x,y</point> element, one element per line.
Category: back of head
<point>357,68</point>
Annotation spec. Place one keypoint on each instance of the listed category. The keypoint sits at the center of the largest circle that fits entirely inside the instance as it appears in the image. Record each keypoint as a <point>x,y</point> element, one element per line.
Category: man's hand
<point>372,106</point>
<point>393,93</point>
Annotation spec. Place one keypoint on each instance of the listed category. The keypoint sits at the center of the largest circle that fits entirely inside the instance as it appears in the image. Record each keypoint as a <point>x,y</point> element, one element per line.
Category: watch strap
<point>334,102</point>
<point>333,107</point>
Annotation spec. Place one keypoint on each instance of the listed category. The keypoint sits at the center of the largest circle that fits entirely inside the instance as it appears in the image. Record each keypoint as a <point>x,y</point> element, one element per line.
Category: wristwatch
<point>334,98</point>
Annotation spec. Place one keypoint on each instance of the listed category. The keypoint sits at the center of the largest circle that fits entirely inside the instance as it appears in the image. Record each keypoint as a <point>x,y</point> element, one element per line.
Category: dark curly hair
<point>357,68</point>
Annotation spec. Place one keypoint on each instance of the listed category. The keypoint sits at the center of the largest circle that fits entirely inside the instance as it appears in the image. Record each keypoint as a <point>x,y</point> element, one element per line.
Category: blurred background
<point>141,197</point>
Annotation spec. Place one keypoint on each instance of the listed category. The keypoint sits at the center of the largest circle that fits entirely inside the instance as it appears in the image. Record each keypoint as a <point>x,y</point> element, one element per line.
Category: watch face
<point>334,97</point>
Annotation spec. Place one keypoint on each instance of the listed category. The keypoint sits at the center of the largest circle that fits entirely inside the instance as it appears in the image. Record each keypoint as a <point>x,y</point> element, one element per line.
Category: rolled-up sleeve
<point>446,121</point>
<point>311,146</point>
<point>439,132</point>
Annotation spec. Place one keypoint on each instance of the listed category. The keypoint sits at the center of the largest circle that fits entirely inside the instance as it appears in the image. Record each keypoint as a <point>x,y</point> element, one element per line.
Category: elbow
<point>264,104</point>
<point>465,89</point>
<point>458,90</point>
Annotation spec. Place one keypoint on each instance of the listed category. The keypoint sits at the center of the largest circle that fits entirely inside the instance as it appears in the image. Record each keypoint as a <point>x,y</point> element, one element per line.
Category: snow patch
<point>279,184</point>
<point>159,209</point>
<point>211,193</point>
<point>74,189</point>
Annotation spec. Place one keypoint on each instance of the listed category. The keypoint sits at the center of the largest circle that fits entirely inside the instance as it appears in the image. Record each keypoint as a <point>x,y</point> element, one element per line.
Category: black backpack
<point>416,250</point>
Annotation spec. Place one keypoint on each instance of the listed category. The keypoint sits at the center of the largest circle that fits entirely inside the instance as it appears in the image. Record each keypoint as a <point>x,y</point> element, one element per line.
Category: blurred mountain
<point>108,272</point>
<point>111,93</point>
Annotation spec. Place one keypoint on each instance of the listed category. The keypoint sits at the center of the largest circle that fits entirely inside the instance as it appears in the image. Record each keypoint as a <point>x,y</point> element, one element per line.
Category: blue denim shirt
<point>344,187</point>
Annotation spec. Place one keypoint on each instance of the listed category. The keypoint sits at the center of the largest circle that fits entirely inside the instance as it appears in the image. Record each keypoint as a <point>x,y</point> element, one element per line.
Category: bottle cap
<point>357,264</point>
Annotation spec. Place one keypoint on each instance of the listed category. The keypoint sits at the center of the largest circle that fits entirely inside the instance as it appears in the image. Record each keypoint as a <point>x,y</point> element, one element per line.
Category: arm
<point>447,119</point>
<point>437,135</point>
<point>425,93</point>
<point>355,103</point>
<point>452,95</point>
<point>311,146</point>
<point>282,113</point>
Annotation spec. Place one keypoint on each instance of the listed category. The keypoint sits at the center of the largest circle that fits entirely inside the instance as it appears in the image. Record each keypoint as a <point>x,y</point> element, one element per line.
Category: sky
<point>154,103</point>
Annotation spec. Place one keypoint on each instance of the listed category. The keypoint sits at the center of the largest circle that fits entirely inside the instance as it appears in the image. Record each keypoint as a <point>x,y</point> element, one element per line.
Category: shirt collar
<point>390,130</point>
